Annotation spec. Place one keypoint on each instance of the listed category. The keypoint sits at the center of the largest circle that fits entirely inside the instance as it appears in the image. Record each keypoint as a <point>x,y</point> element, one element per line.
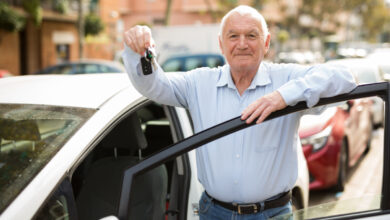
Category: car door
<point>131,174</point>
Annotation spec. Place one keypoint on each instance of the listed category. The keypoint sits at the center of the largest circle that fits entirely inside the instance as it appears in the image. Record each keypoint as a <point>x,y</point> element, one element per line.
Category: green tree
<point>373,13</point>
<point>10,20</point>
<point>33,7</point>
<point>93,25</point>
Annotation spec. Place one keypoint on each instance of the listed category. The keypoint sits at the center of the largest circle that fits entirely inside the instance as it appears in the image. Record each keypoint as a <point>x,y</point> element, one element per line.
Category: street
<point>363,181</point>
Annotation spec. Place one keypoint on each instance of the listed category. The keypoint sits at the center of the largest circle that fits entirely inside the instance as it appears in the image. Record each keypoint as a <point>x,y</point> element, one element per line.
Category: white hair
<point>245,10</point>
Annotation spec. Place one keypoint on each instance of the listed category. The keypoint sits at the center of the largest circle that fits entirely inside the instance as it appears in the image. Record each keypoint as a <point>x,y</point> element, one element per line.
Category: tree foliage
<point>373,13</point>
<point>93,25</point>
<point>10,20</point>
<point>33,7</point>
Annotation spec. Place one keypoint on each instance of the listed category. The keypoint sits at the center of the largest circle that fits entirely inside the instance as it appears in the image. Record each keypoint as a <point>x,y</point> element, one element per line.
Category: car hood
<point>312,124</point>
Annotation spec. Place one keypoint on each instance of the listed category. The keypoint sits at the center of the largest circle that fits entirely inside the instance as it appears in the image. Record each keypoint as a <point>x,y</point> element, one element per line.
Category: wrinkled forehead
<point>256,17</point>
<point>241,19</point>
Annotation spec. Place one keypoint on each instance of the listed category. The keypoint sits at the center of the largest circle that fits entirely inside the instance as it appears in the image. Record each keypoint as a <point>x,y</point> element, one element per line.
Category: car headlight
<point>318,140</point>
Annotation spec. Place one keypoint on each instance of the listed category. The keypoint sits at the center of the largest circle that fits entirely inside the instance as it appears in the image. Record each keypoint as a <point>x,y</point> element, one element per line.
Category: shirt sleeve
<point>165,88</point>
<point>319,81</point>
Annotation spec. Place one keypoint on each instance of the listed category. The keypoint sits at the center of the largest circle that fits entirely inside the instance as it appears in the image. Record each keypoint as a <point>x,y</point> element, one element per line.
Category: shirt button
<point>237,155</point>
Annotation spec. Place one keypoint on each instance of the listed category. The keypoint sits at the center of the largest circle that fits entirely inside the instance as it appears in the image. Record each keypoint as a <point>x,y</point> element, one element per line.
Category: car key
<point>146,62</point>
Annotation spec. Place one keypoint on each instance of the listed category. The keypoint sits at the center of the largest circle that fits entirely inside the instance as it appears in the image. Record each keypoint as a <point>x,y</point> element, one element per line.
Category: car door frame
<point>235,124</point>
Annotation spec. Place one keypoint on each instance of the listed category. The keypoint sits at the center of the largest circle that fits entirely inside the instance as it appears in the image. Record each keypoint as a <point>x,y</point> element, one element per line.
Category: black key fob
<point>146,66</point>
<point>146,62</point>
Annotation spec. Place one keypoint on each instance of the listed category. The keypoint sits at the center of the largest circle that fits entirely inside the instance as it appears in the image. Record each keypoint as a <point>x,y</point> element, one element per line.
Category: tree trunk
<point>81,28</point>
<point>168,12</point>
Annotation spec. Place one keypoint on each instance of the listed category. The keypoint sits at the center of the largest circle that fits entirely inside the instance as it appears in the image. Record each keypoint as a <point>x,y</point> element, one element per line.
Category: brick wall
<point>9,52</point>
<point>48,46</point>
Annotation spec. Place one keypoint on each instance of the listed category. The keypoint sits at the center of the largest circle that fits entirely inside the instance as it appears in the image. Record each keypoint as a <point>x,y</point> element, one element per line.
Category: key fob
<point>146,62</point>
<point>146,66</point>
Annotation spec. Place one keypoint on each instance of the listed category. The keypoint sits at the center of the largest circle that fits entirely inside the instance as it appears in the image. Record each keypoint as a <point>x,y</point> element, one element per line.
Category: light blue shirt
<point>256,163</point>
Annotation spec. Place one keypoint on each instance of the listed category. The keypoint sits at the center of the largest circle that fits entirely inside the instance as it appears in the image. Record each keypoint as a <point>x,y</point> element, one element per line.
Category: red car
<point>4,73</point>
<point>334,141</point>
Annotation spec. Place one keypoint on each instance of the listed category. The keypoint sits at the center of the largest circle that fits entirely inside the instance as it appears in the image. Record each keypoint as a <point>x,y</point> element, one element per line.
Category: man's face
<point>243,43</point>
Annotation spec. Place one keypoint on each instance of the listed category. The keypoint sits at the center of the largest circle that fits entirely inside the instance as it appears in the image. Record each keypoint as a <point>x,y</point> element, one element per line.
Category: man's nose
<point>243,42</point>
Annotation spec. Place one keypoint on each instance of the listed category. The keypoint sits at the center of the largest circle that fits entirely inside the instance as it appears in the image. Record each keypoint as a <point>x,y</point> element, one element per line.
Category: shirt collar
<point>261,78</point>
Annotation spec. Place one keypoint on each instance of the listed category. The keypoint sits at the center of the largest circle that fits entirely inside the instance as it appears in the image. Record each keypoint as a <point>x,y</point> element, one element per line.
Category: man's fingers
<point>139,38</point>
<point>147,37</point>
<point>249,110</point>
<point>255,114</point>
<point>264,115</point>
<point>140,35</point>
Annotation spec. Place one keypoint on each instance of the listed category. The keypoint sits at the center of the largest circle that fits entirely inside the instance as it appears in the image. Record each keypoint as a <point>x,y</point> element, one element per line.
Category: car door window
<point>97,180</point>
<point>369,196</point>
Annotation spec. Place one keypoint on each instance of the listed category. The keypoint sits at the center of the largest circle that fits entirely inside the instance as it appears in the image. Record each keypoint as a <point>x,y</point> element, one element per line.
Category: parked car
<point>334,140</point>
<point>84,66</point>
<point>65,152</point>
<point>189,62</point>
<point>4,73</point>
<point>365,72</point>
<point>381,58</point>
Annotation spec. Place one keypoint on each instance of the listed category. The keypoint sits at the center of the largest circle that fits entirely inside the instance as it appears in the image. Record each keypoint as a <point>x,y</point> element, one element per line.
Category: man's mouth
<point>242,54</point>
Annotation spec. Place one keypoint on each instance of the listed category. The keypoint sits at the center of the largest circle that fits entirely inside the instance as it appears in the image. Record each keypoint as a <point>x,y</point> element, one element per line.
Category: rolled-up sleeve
<point>311,84</point>
<point>166,88</point>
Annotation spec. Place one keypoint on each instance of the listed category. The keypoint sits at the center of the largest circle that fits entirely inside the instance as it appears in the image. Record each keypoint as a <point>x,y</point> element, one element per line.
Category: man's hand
<point>139,38</point>
<point>263,107</point>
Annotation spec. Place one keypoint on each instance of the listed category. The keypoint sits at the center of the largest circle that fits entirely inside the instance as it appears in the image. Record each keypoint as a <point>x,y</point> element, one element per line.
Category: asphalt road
<point>363,184</point>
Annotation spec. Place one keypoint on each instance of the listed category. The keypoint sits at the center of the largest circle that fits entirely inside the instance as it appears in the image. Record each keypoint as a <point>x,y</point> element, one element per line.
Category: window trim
<point>235,124</point>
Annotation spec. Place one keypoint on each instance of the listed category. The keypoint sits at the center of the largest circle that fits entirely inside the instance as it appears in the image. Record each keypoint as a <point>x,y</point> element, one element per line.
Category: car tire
<point>343,168</point>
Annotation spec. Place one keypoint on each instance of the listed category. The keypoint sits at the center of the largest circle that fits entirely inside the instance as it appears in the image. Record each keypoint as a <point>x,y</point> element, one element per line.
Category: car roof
<point>85,90</point>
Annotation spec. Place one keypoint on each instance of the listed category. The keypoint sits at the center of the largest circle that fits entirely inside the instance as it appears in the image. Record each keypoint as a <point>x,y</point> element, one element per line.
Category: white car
<point>91,147</point>
<point>60,135</point>
<point>366,71</point>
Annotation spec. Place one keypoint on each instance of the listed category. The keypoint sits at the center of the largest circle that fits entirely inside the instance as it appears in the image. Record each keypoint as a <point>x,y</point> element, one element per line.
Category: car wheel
<point>343,168</point>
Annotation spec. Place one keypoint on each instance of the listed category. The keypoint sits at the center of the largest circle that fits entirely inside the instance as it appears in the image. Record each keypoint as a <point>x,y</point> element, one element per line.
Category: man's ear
<point>220,43</point>
<point>267,42</point>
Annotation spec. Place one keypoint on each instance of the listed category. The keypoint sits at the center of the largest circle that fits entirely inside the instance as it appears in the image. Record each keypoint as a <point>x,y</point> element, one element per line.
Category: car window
<point>63,69</point>
<point>172,65</point>
<point>91,68</point>
<point>29,137</point>
<point>108,69</point>
<point>214,61</point>
<point>60,205</point>
<point>192,63</point>
<point>96,181</point>
<point>341,157</point>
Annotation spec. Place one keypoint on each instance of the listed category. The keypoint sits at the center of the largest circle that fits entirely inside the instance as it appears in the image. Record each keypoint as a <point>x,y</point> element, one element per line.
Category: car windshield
<point>30,135</point>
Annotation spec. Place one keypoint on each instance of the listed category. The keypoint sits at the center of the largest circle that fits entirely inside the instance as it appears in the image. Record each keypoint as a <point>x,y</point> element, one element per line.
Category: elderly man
<point>246,175</point>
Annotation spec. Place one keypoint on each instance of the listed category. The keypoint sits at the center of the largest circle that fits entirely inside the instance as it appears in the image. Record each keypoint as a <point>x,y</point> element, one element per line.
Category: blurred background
<point>37,34</point>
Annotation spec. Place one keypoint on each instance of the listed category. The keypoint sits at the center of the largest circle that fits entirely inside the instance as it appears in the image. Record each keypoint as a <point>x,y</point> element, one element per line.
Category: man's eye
<point>233,36</point>
<point>252,36</point>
